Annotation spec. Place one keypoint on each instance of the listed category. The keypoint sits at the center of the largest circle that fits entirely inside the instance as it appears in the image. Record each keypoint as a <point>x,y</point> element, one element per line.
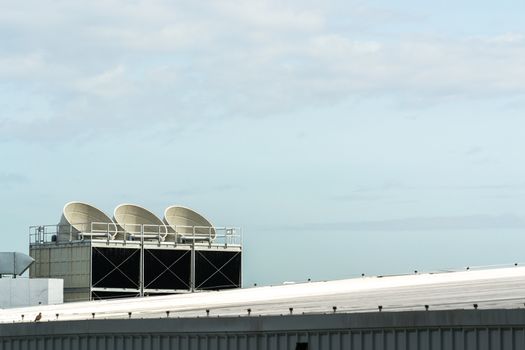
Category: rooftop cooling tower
<point>78,217</point>
<point>134,220</point>
<point>185,220</point>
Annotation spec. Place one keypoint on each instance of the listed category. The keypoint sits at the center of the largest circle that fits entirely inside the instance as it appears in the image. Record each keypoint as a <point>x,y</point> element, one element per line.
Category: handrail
<point>177,234</point>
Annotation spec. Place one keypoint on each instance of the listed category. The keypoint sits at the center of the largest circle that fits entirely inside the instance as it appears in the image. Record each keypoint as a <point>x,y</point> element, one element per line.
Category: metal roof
<point>499,288</point>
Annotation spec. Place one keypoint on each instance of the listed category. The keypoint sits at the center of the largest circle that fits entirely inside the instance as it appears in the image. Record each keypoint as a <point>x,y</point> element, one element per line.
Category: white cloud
<point>506,38</point>
<point>21,66</point>
<point>182,61</point>
<point>339,47</point>
<point>271,15</point>
<point>109,84</point>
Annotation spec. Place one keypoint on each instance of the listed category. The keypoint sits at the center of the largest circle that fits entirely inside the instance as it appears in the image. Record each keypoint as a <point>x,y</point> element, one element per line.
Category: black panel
<point>116,268</point>
<point>217,269</point>
<point>167,269</point>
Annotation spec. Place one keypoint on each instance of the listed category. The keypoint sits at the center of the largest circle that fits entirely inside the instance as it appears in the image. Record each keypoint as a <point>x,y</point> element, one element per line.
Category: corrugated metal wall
<point>421,339</point>
<point>507,335</point>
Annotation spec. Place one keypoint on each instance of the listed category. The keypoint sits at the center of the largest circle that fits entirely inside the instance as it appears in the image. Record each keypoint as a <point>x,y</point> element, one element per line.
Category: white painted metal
<point>79,217</point>
<point>20,292</point>
<point>187,224</point>
<point>138,222</point>
<point>491,288</point>
<point>224,236</point>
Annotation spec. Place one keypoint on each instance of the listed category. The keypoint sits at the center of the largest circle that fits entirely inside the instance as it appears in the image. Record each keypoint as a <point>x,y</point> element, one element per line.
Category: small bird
<point>38,317</point>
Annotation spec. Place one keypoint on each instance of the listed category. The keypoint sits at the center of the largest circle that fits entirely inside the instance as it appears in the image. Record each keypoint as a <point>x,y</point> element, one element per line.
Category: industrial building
<point>135,281</point>
<point>471,309</point>
<point>135,253</point>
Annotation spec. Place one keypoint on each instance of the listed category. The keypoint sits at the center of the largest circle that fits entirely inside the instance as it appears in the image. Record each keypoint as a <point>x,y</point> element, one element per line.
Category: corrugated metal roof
<point>490,288</point>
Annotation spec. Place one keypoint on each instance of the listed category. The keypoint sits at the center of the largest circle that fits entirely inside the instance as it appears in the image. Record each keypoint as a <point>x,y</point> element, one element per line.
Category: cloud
<point>108,84</point>
<point>150,63</point>
<point>504,39</point>
<point>21,66</point>
<point>271,14</point>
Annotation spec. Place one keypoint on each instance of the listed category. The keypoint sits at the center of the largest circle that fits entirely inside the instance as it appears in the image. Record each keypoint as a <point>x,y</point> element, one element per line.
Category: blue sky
<point>345,137</point>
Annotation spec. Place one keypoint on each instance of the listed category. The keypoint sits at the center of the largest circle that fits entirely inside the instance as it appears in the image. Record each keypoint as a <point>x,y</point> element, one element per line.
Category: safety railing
<point>111,232</point>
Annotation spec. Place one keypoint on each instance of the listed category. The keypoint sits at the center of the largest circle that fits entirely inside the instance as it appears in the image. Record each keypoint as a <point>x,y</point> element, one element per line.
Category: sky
<point>344,137</point>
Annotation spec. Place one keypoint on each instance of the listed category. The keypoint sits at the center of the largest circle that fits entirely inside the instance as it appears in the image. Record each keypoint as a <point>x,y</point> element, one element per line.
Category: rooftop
<point>496,288</point>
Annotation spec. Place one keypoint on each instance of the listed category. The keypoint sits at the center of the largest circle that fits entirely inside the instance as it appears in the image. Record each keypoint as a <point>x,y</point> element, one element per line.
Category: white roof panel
<point>491,288</point>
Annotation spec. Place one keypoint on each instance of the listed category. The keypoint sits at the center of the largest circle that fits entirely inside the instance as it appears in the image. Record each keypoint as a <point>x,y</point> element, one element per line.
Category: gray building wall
<point>426,330</point>
<point>70,262</point>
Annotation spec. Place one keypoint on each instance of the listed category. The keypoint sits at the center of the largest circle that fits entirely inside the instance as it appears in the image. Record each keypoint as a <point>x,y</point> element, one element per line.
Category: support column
<point>141,277</point>
<point>192,268</point>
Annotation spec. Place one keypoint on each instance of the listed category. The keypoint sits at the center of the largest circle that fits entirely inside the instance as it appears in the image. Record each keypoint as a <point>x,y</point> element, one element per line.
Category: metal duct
<point>184,221</point>
<point>14,263</point>
<point>79,217</point>
<point>133,220</point>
